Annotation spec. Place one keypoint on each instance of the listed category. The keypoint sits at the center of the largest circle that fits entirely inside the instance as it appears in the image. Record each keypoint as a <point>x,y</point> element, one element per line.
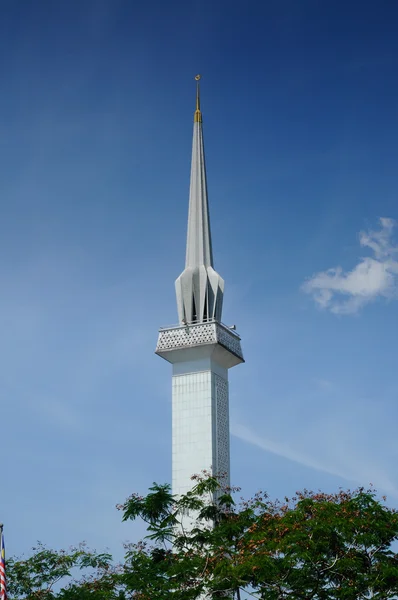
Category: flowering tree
<point>313,546</point>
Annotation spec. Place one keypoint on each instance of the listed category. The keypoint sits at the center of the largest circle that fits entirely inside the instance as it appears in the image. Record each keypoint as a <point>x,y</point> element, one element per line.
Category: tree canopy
<point>65,574</point>
<point>312,546</point>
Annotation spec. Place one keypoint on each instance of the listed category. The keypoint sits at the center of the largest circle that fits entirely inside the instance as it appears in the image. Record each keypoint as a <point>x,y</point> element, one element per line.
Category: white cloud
<point>345,292</point>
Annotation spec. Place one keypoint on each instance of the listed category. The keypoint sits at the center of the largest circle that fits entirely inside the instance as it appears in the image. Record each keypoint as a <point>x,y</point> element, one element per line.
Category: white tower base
<point>201,355</point>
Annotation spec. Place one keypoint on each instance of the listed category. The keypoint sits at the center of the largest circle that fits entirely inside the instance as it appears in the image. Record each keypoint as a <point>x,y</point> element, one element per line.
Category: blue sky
<point>301,120</point>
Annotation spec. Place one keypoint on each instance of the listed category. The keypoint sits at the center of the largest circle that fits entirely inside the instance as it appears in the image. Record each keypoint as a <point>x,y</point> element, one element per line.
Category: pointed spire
<point>199,288</point>
<point>199,250</point>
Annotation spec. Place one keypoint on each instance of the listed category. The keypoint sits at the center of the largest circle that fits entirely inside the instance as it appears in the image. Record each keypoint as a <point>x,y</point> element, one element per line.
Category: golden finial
<point>198,114</point>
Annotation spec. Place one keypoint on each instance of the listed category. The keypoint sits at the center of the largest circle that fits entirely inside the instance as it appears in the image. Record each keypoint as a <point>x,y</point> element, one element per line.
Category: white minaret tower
<point>201,349</point>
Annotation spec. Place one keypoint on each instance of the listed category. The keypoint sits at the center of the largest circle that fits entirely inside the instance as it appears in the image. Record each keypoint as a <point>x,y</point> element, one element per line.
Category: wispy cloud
<point>347,462</point>
<point>283,449</point>
<point>346,292</point>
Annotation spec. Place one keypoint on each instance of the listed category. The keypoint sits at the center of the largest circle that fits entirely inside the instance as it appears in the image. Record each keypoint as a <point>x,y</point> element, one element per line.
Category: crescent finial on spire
<point>198,114</point>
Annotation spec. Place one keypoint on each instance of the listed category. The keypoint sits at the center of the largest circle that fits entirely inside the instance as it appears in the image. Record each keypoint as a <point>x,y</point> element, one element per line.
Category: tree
<point>48,574</point>
<point>314,546</point>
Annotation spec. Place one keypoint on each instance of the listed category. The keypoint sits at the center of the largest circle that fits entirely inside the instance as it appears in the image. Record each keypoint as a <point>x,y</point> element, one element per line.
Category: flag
<point>3,587</point>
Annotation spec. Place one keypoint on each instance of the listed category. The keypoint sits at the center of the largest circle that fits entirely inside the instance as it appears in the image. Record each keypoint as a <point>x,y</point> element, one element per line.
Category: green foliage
<point>48,574</point>
<point>314,546</point>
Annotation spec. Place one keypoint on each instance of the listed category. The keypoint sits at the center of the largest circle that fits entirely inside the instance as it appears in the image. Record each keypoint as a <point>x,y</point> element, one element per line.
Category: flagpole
<point>3,588</point>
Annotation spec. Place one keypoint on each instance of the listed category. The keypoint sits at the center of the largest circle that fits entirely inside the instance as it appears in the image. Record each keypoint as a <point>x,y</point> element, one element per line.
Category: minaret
<point>201,349</point>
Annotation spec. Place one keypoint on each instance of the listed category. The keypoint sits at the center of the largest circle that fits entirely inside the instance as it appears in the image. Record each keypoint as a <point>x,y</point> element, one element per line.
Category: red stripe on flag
<point>3,586</point>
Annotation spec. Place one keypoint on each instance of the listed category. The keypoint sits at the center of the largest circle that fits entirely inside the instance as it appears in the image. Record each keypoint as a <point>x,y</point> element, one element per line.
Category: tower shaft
<point>201,356</point>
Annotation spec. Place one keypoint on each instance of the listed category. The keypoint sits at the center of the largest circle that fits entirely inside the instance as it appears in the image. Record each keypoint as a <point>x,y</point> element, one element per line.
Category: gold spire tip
<point>198,114</point>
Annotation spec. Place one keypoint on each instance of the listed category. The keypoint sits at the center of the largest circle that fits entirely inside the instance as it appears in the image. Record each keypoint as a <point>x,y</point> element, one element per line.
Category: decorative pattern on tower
<point>199,288</point>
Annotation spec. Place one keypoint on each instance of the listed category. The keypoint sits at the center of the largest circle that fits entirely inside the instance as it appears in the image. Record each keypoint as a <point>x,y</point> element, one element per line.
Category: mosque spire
<point>199,288</point>
<point>201,349</point>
